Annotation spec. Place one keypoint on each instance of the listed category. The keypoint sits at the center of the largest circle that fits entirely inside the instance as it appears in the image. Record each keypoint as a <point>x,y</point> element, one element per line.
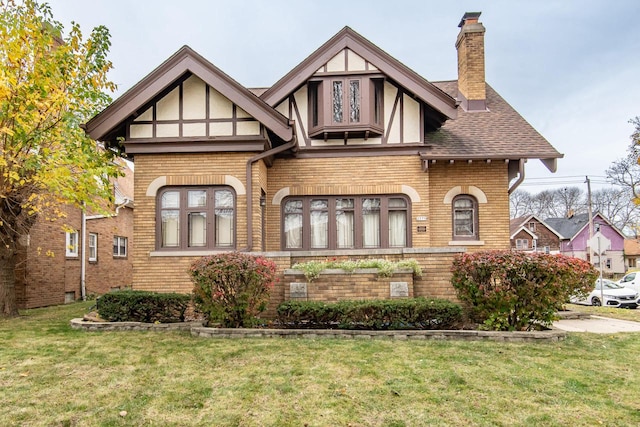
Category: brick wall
<point>324,176</point>
<point>492,179</point>
<point>169,274</point>
<point>336,286</point>
<point>348,176</point>
<point>44,274</point>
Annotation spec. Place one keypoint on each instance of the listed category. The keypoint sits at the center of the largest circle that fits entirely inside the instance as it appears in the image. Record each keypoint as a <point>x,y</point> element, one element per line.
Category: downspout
<point>250,162</point>
<point>520,176</point>
<point>83,261</point>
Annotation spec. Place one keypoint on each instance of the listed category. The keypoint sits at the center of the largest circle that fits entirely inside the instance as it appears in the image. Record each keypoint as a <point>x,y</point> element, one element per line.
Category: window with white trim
<point>119,246</point>
<point>93,247</point>
<point>345,222</point>
<point>191,218</point>
<point>71,243</point>
<point>522,243</point>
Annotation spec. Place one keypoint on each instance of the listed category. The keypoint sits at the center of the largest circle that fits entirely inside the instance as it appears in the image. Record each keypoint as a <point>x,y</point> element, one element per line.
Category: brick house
<point>576,232</point>
<point>56,266</point>
<point>351,154</point>
<point>631,253</point>
<point>530,233</point>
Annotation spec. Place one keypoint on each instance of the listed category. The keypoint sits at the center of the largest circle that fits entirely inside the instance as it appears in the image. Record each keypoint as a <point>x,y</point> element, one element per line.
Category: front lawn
<point>614,313</point>
<point>53,375</point>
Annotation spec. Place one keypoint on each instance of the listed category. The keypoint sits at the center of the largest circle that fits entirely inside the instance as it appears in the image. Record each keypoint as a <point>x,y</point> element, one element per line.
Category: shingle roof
<point>498,133</point>
<point>568,227</point>
<point>631,247</point>
<point>516,223</point>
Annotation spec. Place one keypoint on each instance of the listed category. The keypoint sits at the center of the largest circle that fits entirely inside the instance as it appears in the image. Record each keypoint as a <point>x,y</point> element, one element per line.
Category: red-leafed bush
<point>508,290</point>
<point>232,287</point>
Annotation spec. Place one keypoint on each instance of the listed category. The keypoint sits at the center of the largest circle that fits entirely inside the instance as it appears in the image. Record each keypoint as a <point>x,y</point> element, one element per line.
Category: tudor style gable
<point>189,113</point>
<point>351,93</point>
<point>189,105</point>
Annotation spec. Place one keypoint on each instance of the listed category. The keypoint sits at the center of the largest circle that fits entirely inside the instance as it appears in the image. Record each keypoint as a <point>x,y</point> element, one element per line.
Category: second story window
<point>340,106</point>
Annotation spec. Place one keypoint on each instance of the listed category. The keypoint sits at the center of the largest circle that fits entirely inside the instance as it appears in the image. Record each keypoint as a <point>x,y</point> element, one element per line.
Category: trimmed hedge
<point>143,306</point>
<point>413,313</point>
<point>516,290</point>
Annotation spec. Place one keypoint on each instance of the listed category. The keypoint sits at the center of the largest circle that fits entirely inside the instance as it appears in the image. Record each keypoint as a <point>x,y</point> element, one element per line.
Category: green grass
<point>614,313</point>
<point>51,375</point>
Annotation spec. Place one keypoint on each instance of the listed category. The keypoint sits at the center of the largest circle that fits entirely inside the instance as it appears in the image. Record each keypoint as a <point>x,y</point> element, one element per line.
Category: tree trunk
<point>8,305</point>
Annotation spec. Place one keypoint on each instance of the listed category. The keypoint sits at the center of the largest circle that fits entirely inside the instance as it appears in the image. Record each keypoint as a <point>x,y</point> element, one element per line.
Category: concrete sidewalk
<point>597,324</point>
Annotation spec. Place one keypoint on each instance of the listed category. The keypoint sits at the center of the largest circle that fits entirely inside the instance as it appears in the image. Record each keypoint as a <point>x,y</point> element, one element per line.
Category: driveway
<point>597,324</point>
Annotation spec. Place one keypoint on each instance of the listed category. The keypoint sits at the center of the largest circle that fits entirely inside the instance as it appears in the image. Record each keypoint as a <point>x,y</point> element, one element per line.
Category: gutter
<point>250,162</point>
<point>520,176</point>
<point>83,261</point>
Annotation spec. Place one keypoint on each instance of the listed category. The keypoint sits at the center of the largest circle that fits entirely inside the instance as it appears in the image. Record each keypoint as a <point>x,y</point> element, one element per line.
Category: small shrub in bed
<point>512,290</point>
<point>142,306</point>
<point>412,313</point>
<point>232,287</point>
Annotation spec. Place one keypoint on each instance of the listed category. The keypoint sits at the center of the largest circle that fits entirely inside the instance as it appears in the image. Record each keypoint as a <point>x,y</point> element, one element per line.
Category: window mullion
<point>384,222</point>
<point>357,209</point>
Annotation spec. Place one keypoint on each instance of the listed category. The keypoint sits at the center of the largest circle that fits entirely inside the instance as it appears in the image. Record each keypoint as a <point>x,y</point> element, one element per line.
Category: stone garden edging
<point>197,330</point>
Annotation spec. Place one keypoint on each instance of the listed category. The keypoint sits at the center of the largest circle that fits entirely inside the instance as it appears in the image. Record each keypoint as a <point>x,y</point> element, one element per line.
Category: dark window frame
<point>183,214</point>
<point>332,240</point>
<point>321,103</point>
<point>475,235</point>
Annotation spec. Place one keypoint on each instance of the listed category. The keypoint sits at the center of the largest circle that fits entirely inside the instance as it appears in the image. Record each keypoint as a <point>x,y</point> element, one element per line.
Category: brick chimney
<point>470,46</point>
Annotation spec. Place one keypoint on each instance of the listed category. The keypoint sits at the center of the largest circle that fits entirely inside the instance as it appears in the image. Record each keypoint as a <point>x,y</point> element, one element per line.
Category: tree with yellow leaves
<point>49,85</point>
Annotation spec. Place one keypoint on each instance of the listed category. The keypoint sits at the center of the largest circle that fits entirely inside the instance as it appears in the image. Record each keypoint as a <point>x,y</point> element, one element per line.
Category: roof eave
<point>186,60</point>
<point>348,38</point>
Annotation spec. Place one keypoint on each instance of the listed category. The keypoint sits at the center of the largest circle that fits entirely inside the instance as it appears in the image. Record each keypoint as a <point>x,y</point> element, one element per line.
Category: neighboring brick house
<point>530,233</point>
<point>576,232</point>
<point>51,268</point>
<point>351,154</point>
<point>632,253</point>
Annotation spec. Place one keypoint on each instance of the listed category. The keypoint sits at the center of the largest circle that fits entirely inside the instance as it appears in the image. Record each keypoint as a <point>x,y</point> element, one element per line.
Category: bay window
<point>196,218</point>
<point>345,222</point>
<point>351,105</point>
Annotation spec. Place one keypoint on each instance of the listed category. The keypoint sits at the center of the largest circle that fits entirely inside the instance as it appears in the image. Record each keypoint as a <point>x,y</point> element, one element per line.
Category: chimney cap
<point>469,16</point>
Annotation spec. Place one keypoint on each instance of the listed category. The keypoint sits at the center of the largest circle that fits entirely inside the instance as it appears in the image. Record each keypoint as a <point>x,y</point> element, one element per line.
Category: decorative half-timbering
<point>351,154</point>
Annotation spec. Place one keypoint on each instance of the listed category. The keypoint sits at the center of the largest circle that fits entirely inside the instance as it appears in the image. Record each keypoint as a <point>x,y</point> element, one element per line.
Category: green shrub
<point>312,269</point>
<point>232,287</point>
<point>412,313</point>
<point>142,306</point>
<point>512,290</point>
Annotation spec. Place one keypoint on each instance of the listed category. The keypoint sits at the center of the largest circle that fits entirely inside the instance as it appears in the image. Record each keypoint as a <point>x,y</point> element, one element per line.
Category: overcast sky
<point>570,67</point>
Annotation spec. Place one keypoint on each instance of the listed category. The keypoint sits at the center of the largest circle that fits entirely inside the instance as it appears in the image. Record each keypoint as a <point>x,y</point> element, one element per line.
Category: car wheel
<point>595,301</point>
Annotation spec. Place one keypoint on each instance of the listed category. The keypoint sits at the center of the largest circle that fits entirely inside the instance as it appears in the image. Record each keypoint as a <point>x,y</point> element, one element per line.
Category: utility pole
<point>589,249</point>
<point>589,206</point>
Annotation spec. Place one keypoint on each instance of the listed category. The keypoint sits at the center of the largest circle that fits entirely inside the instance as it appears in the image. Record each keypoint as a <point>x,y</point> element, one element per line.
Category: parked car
<point>631,280</point>
<point>615,295</point>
